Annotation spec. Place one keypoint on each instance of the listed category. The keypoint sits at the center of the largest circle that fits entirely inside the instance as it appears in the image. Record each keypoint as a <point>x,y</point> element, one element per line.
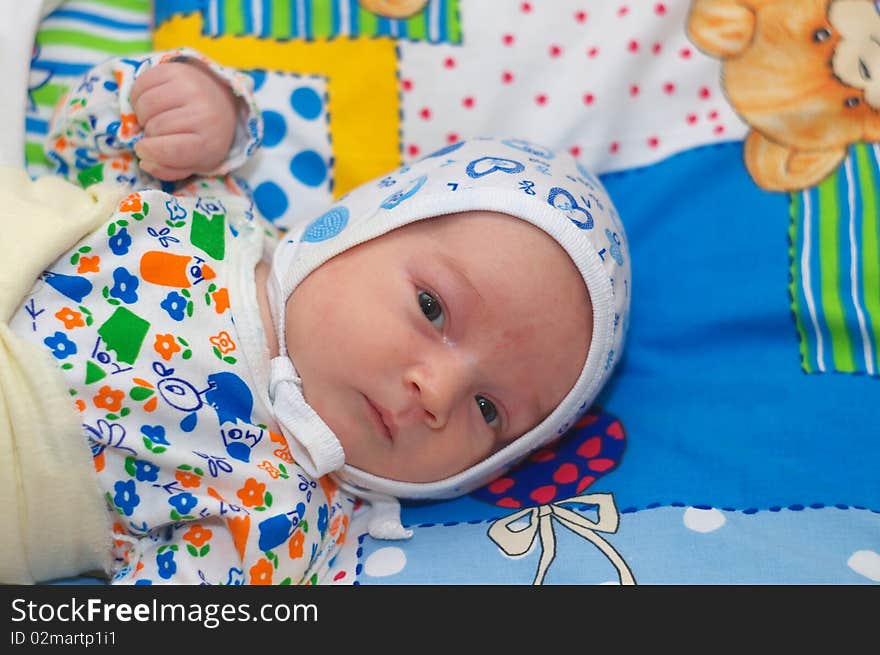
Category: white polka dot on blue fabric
<point>703,520</point>
<point>385,561</point>
<point>865,563</point>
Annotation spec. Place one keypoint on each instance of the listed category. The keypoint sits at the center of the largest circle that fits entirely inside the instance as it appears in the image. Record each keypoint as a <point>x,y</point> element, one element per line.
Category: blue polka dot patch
<point>291,175</point>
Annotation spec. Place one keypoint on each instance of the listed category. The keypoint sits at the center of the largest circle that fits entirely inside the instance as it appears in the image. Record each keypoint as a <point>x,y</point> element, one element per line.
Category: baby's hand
<point>188,118</point>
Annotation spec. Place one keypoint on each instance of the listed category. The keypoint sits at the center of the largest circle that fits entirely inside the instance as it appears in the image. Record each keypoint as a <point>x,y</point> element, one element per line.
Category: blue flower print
<point>165,564</point>
<point>125,499</point>
<point>61,346</point>
<point>143,582</point>
<point>155,433</point>
<point>175,305</point>
<point>120,242</point>
<point>322,519</point>
<point>145,471</point>
<point>125,287</point>
<point>183,503</point>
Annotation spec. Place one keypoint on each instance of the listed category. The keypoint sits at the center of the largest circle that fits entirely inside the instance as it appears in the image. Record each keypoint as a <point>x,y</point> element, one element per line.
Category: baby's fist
<point>188,117</point>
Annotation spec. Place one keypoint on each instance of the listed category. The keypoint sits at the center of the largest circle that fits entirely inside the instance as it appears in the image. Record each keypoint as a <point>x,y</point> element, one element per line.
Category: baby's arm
<point>178,111</point>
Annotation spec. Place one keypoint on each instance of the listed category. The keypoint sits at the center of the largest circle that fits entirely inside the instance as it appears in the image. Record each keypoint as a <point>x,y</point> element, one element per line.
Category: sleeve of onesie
<point>94,128</point>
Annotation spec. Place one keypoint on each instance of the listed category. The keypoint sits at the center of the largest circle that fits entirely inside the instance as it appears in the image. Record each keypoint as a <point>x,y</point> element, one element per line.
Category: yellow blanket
<point>53,519</point>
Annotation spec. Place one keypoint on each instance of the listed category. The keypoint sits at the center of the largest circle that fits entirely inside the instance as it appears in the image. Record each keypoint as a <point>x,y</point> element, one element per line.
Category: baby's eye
<point>488,410</point>
<point>432,309</point>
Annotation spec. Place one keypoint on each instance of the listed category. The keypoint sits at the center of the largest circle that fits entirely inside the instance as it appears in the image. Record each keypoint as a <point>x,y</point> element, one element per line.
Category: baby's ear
<point>778,168</point>
<point>720,28</point>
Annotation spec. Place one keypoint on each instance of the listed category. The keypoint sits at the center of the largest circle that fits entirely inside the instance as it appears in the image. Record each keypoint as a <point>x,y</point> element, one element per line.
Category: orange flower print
<point>223,342</point>
<point>261,572</point>
<point>131,203</point>
<point>89,265</point>
<point>188,480</point>
<point>197,535</point>
<point>251,493</point>
<point>80,405</point>
<point>98,462</point>
<point>122,162</point>
<point>271,470</point>
<point>129,126</point>
<point>109,399</point>
<point>70,318</point>
<point>166,346</point>
<point>282,453</point>
<point>221,300</point>
<point>295,546</point>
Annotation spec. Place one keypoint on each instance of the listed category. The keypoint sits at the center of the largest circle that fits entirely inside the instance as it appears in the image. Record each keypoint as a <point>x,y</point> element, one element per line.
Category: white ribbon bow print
<point>518,542</point>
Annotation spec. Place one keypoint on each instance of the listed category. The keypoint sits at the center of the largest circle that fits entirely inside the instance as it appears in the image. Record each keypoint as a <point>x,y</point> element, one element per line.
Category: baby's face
<point>429,348</point>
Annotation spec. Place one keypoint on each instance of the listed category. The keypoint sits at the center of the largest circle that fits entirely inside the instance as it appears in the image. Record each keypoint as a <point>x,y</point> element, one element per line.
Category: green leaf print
<point>140,393</point>
<point>192,550</point>
<point>205,550</point>
<point>268,499</point>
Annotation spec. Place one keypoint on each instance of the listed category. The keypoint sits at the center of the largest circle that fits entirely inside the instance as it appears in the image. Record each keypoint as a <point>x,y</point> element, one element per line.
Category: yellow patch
<point>363,100</point>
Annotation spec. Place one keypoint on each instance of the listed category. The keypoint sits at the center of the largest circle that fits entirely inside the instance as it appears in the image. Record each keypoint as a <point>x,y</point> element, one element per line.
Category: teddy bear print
<point>394,8</point>
<point>804,75</point>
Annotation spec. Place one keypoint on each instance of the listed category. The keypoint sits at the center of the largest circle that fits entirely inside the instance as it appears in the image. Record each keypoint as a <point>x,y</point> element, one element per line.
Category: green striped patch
<point>70,40</point>
<point>835,267</point>
<point>438,22</point>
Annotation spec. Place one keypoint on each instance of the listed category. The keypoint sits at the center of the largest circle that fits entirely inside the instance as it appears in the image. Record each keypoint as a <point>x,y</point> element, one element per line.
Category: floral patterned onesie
<point>154,323</point>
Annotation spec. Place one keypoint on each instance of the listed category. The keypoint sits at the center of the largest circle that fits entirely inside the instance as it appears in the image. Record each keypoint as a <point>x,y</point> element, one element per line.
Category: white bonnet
<point>548,189</point>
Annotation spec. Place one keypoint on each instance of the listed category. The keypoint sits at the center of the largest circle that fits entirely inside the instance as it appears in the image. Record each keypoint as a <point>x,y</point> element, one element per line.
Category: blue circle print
<point>306,102</point>
<point>274,128</point>
<point>327,226</point>
<point>259,78</point>
<point>309,168</point>
<point>271,200</point>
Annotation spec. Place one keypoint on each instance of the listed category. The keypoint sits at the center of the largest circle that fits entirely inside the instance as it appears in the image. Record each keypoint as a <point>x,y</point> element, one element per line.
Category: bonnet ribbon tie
<point>312,444</point>
<point>518,542</point>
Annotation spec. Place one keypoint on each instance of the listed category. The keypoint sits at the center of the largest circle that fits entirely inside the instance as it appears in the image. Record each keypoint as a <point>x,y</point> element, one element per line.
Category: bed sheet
<point>738,442</point>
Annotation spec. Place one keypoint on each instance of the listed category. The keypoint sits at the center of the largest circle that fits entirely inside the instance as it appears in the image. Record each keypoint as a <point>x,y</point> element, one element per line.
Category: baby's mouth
<point>381,418</point>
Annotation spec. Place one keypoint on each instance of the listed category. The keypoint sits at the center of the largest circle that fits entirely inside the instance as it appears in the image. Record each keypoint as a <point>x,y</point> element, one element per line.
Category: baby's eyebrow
<point>456,270</point>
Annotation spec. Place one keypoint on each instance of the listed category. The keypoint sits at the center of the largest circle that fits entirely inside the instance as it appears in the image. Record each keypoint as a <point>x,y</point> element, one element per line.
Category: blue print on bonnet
<point>486,165</point>
<point>531,148</point>
<point>562,199</point>
<point>407,191</point>
<point>445,150</point>
<point>326,226</point>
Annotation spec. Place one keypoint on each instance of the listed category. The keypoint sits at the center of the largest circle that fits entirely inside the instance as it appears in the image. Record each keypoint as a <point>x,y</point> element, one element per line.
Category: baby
<point>240,387</point>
